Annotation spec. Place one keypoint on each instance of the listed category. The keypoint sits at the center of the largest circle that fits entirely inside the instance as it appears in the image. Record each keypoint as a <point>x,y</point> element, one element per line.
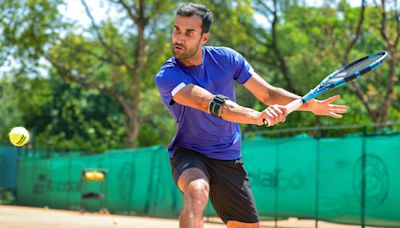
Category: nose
<point>179,38</point>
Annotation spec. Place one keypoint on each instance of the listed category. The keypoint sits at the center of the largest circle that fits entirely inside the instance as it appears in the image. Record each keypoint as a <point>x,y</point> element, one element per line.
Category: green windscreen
<point>345,180</point>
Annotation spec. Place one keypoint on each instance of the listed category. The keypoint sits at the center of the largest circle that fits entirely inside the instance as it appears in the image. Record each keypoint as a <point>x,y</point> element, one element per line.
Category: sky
<point>76,11</point>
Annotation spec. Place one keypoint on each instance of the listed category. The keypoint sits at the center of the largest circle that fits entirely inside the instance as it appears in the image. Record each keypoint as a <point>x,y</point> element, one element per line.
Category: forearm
<point>283,97</point>
<point>233,112</point>
<point>198,98</point>
<point>271,95</point>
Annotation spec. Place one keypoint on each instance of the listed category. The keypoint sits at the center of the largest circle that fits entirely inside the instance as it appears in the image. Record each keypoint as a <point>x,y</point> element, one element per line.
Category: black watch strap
<point>216,104</point>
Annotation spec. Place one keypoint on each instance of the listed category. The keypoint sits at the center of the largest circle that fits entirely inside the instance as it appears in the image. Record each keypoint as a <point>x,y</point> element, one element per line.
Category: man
<point>197,86</point>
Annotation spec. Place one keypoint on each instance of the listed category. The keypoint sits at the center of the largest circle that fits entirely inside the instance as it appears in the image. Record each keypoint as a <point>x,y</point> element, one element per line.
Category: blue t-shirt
<point>197,130</point>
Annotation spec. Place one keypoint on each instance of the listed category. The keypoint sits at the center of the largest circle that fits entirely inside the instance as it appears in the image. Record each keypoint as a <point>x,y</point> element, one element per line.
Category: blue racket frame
<point>323,87</point>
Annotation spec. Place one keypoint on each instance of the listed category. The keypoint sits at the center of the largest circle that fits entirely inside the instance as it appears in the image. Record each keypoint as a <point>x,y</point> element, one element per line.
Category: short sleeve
<point>169,81</point>
<point>243,70</point>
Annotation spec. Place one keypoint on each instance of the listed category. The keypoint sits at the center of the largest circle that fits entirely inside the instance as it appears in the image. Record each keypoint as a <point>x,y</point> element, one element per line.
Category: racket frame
<point>323,87</point>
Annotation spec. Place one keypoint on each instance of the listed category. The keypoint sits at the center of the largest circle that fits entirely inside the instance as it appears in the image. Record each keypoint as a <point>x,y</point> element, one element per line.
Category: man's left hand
<point>326,108</point>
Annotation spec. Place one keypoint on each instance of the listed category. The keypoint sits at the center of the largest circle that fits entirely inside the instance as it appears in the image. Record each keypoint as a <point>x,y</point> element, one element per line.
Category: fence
<point>8,167</point>
<point>352,179</point>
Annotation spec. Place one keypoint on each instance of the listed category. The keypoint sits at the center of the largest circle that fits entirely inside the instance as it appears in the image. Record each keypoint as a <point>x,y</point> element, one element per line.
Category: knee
<point>198,190</point>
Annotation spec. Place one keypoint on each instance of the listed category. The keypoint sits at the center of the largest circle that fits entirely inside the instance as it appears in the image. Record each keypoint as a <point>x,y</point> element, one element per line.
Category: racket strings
<point>350,70</point>
<point>347,73</point>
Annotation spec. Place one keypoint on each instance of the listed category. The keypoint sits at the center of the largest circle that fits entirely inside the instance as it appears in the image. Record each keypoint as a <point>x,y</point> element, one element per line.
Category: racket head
<point>348,73</point>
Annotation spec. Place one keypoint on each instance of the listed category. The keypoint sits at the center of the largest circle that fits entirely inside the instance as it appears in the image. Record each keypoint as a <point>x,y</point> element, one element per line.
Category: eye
<point>190,34</point>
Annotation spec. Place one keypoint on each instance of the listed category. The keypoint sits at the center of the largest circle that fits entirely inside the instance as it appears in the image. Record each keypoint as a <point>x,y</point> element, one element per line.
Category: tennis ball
<point>18,136</point>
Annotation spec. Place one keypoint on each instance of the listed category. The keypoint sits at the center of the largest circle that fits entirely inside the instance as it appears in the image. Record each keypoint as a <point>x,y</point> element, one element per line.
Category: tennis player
<point>197,86</point>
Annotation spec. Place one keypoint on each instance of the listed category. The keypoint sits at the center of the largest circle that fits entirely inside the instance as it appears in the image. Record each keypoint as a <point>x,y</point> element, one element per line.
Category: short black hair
<point>190,9</point>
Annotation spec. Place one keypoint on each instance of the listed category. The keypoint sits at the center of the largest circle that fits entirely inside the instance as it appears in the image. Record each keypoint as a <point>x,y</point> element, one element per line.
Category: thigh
<point>188,166</point>
<point>230,192</point>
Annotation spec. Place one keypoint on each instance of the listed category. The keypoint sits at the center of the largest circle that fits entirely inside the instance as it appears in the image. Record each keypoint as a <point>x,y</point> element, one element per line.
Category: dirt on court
<point>30,217</point>
<point>22,217</point>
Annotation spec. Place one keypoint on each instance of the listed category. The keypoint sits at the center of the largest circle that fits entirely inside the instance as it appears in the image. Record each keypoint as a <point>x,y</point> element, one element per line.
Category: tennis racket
<point>338,78</point>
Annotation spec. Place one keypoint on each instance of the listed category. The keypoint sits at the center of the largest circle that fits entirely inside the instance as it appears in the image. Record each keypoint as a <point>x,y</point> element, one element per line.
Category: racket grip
<point>292,106</point>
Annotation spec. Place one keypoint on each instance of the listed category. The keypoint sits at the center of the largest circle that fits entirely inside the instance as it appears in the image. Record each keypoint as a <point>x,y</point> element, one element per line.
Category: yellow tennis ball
<point>19,136</point>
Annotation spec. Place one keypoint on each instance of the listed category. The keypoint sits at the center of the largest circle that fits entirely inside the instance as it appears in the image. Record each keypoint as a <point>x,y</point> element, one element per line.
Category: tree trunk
<point>137,73</point>
<point>382,110</point>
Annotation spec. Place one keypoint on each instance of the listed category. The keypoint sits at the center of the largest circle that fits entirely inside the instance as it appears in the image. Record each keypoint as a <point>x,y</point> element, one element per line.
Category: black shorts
<point>230,192</point>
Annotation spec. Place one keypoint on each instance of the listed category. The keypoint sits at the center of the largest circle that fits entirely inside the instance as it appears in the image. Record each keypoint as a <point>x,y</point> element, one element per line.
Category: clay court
<point>21,217</point>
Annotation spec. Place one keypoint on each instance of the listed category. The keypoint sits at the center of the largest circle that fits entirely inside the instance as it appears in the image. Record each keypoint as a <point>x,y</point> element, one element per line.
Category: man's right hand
<point>274,113</point>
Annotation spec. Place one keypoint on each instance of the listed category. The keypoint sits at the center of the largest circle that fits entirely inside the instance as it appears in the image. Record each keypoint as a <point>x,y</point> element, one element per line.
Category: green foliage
<point>30,24</point>
<point>76,119</point>
<point>22,99</point>
<point>59,74</point>
<point>160,126</point>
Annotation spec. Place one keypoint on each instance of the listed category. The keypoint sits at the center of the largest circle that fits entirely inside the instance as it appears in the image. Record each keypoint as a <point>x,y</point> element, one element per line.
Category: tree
<point>110,57</point>
<point>385,20</point>
<point>119,63</point>
<point>307,41</point>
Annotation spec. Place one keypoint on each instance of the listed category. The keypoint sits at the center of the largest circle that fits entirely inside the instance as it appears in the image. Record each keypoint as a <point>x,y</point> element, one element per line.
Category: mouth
<point>178,47</point>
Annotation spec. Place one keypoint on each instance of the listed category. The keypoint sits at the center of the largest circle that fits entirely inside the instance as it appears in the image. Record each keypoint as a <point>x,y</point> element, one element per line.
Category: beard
<point>182,52</point>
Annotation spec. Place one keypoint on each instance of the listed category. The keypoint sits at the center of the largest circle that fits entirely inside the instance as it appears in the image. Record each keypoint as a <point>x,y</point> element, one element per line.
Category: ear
<point>205,38</point>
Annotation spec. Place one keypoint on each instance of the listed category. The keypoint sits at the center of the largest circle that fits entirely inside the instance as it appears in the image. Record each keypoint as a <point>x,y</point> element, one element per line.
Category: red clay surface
<point>21,217</point>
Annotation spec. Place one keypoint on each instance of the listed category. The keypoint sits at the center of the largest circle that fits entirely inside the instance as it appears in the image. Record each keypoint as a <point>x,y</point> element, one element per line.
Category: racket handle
<point>292,106</point>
